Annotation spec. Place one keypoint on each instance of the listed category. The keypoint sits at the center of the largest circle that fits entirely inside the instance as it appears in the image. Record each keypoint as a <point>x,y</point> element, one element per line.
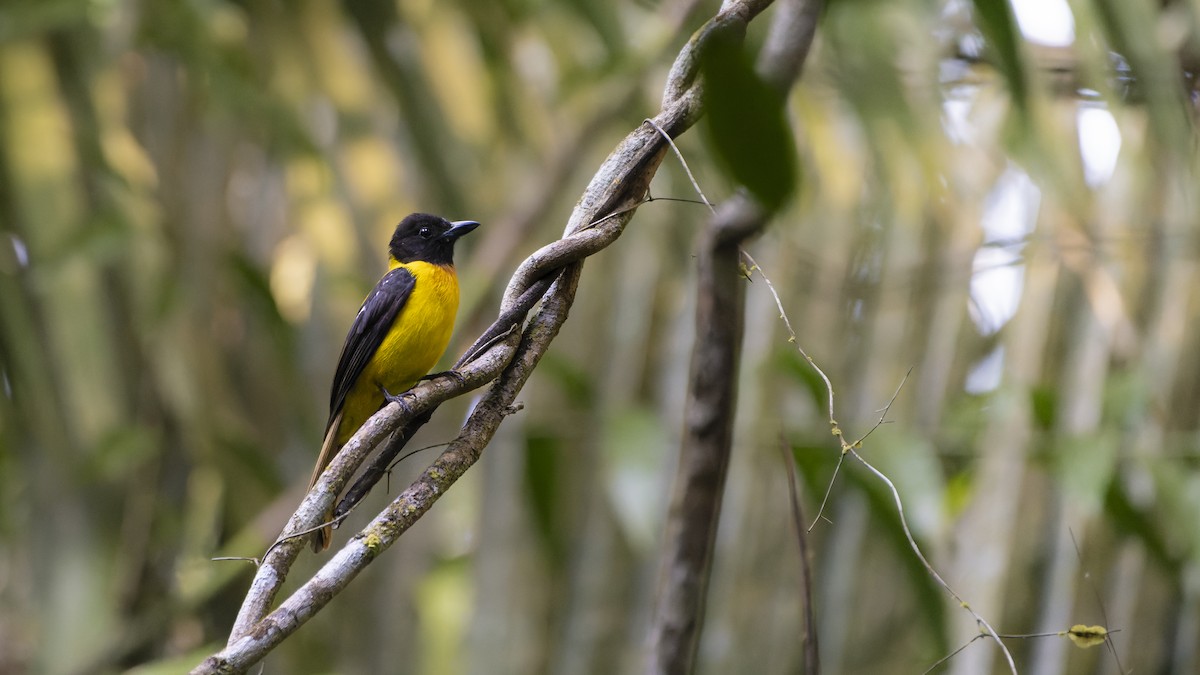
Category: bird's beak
<point>458,229</point>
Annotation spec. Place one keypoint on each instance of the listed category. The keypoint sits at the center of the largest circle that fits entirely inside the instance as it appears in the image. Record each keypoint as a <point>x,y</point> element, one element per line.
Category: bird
<point>400,332</point>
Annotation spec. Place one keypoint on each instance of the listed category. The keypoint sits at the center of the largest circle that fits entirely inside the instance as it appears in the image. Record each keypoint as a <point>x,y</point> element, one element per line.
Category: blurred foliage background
<point>195,195</point>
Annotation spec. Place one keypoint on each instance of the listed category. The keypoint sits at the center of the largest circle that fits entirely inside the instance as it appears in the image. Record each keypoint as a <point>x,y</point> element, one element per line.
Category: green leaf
<point>746,123</point>
<point>543,475</point>
<point>995,19</point>
<point>1142,524</point>
<point>573,381</point>
<point>1043,403</point>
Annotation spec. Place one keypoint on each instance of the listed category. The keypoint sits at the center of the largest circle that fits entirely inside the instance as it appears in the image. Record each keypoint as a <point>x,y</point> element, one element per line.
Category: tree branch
<point>704,449</point>
<point>599,218</point>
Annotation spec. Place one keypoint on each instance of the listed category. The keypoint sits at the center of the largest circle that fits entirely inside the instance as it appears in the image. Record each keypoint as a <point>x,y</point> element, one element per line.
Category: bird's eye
<point>425,232</point>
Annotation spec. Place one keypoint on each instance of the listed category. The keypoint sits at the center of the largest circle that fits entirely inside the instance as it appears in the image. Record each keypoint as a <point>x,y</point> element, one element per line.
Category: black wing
<point>374,319</point>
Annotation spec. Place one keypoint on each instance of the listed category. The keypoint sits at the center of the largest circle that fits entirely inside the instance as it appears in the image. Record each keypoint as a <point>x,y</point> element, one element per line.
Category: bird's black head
<point>429,238</point>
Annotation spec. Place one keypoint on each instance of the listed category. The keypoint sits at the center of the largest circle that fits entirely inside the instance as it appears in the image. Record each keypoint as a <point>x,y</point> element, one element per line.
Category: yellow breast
<point>412,347</point>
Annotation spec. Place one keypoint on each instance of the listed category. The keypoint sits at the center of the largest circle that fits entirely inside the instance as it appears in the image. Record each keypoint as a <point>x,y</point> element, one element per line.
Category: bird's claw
<point>398,399</point>
<point>452,374</point>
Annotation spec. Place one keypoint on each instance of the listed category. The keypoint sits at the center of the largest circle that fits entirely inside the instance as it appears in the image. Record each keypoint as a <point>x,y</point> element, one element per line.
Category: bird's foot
<point>398,399</point>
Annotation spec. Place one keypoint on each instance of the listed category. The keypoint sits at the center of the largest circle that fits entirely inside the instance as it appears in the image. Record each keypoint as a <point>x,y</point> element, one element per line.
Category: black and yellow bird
<point>400,332</point>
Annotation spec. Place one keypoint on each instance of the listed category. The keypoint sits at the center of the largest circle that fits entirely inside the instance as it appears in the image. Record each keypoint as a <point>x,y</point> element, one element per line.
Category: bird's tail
<point>329,448</point>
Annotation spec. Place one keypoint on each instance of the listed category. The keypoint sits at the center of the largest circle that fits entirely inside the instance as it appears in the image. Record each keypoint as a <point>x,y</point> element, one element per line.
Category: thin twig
<point>755,267</point>
<point>686,167</point>
<point>846,447</point>
<point>812,659</point>
<point>883,413</point>
<point>1087,576</point>
<point>912,543</point>
<point>828,491</point>
<point>954,653</point>
<point>1006,636</point>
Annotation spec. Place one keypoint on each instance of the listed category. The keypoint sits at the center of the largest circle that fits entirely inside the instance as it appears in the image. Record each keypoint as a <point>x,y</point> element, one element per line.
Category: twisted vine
<point>503,355</point>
